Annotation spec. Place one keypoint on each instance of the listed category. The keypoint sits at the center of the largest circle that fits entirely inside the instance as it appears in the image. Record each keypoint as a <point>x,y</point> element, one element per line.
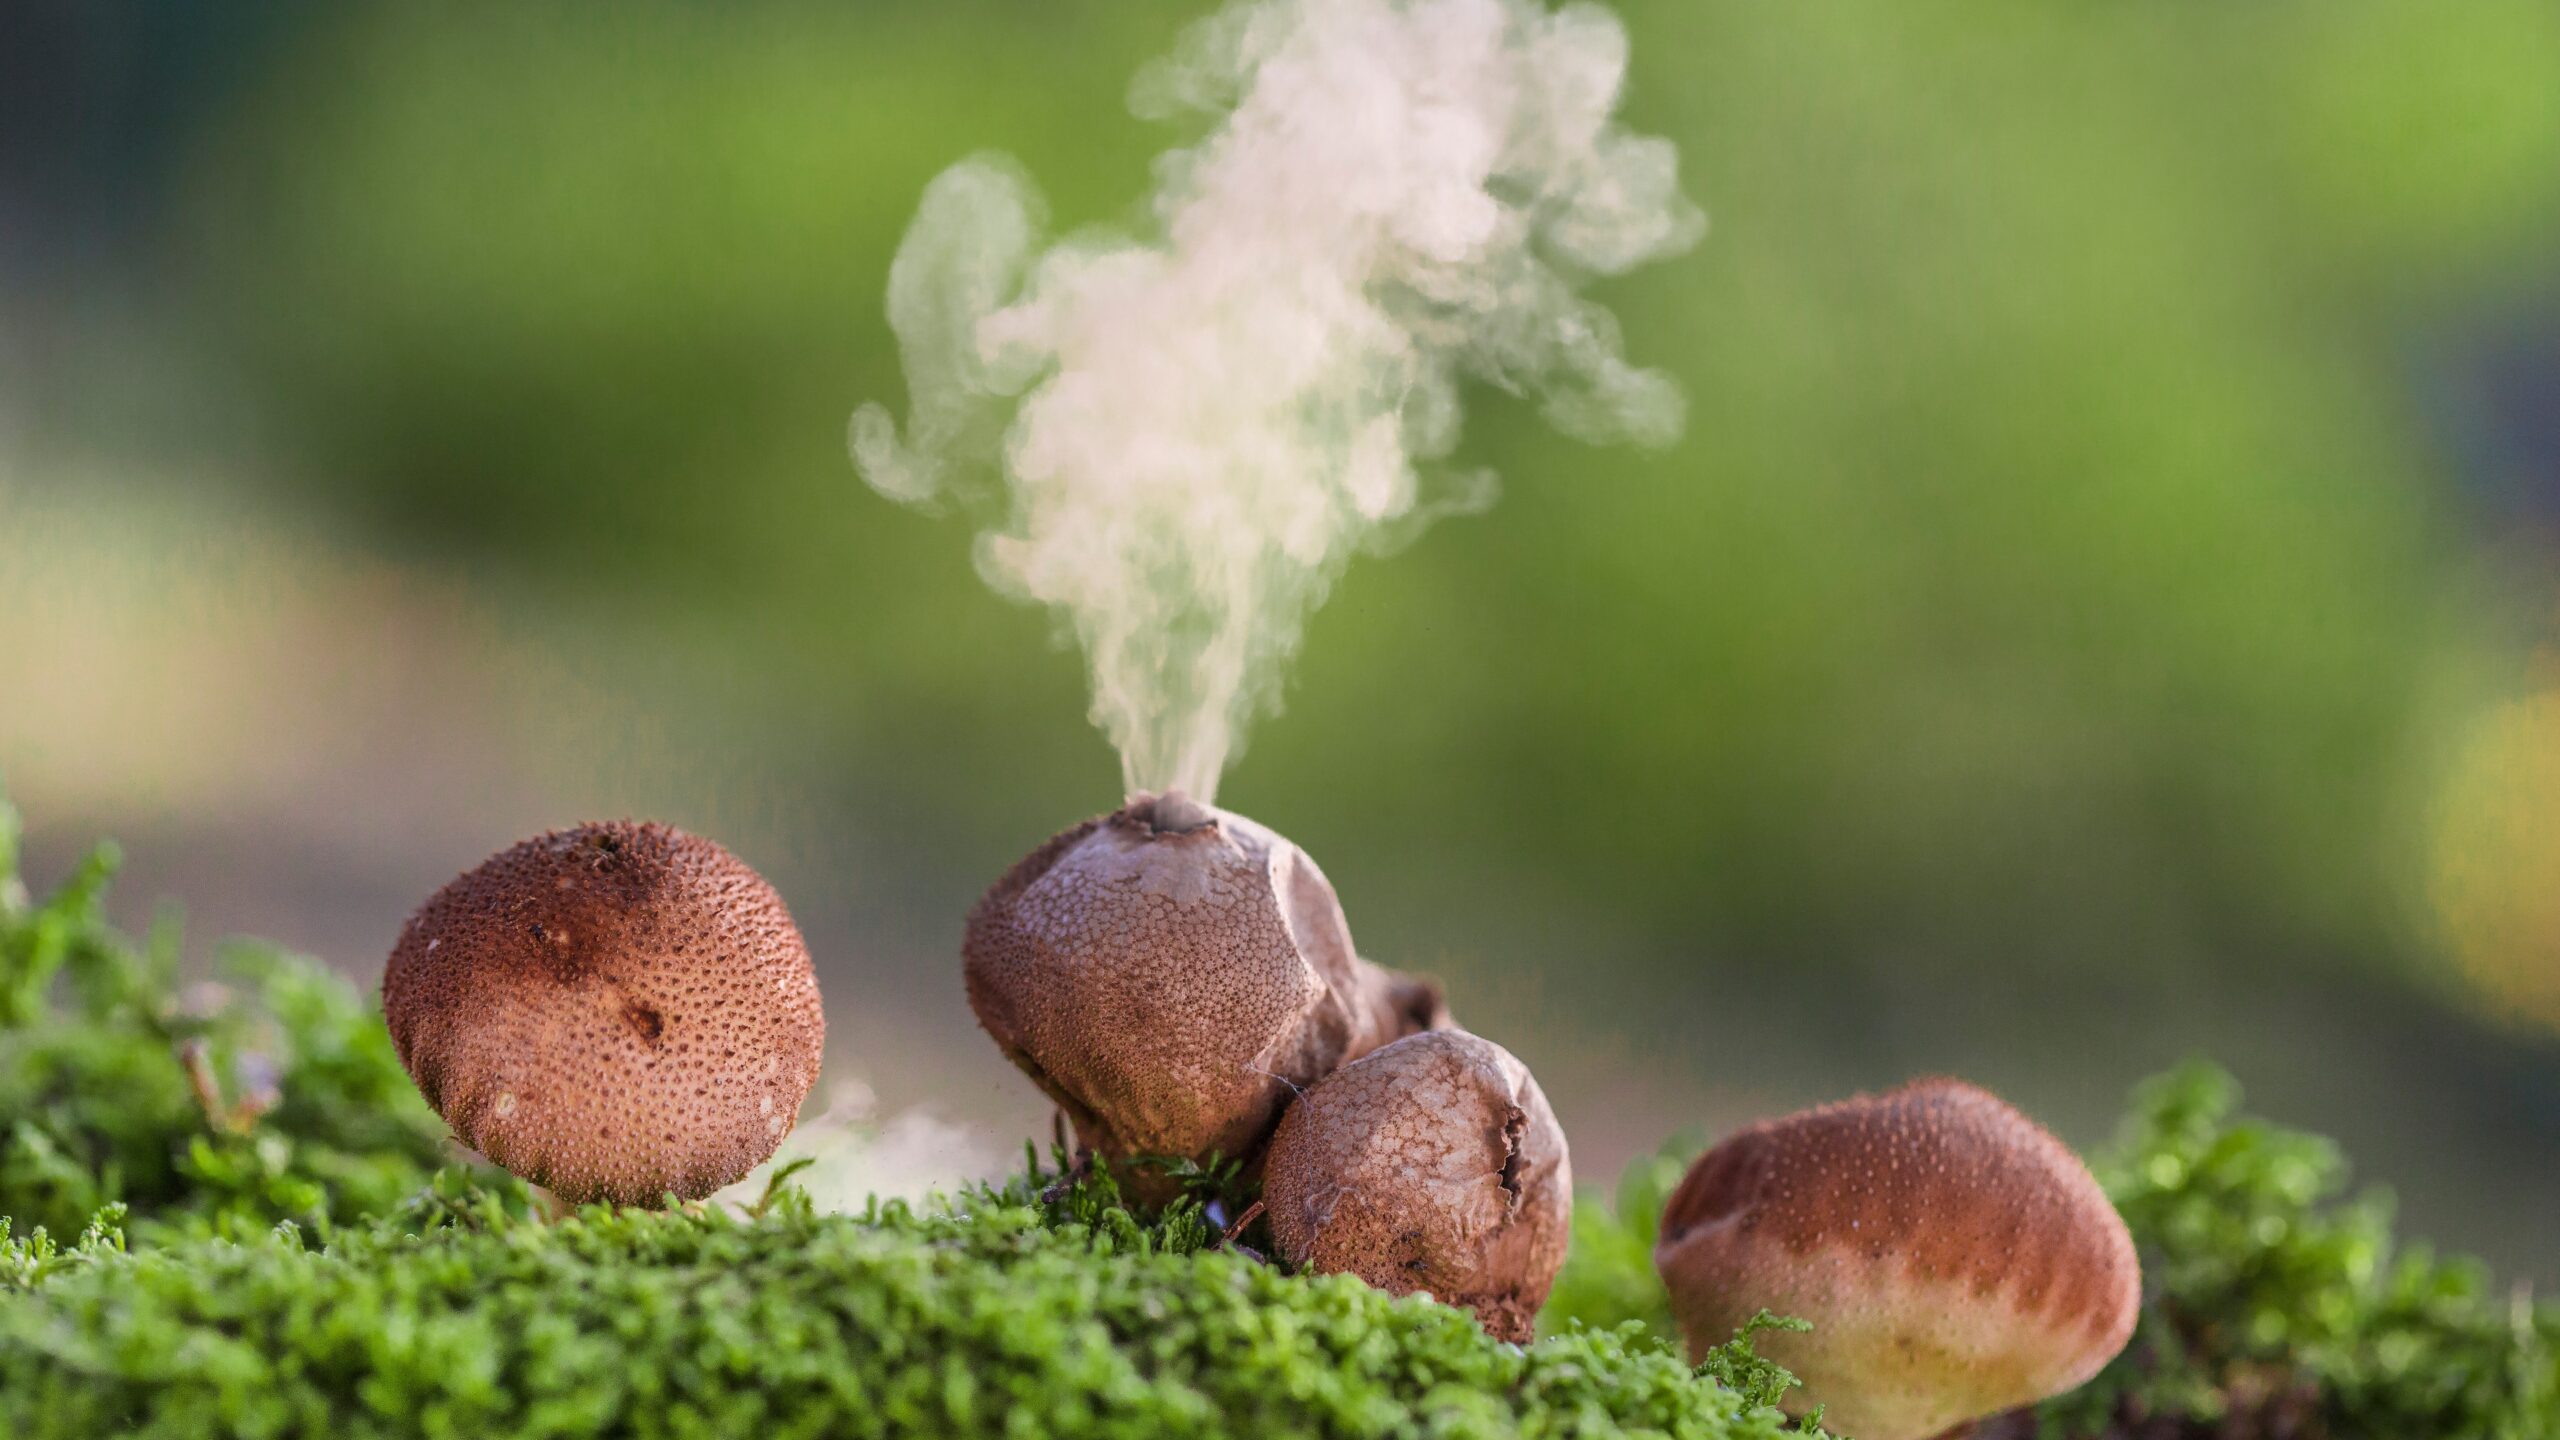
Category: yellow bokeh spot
<point>2495,879</point>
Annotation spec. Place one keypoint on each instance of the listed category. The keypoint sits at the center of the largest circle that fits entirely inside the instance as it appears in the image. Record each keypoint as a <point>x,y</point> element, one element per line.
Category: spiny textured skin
<point>1432,1165</point>
<point>1171,985</point>
<point>613,1012</point>
<point>1954,1258</point>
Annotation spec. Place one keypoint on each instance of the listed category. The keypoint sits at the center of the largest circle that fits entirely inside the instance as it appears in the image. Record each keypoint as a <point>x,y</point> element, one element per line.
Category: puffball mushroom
<point>1955,1260</point>
<point>1432,1165</point>
<point>1171,973</point>
<point>615,1012</point>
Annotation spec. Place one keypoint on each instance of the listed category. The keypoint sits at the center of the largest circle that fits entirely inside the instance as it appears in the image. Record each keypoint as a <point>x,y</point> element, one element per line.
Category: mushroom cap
<point>1170,973</point>
<point>1954,1258</point>
<point>613,1012</point>
<point>1432,1164</point>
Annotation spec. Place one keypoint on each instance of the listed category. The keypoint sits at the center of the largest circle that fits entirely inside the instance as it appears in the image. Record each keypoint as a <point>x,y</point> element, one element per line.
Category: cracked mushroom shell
<point>1432,1164</point>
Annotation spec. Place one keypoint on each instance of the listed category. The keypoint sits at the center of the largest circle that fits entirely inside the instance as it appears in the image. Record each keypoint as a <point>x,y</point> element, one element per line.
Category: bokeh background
<point>2100,613</point>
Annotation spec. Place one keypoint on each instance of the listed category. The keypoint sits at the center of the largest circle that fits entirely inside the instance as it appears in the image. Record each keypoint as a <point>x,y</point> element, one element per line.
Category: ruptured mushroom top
<point>1955,1260</point>
<point>1169,972</point>
<point>616,1012</point>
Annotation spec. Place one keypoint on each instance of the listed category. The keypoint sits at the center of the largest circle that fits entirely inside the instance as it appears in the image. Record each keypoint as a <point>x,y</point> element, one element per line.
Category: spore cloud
<point>1189,428</point>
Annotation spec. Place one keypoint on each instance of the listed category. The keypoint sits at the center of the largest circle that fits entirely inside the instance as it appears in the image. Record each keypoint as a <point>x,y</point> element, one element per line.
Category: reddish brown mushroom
<point>1431,1165</point>
<point>616,1012</point>
<point>1171,973</point>
<point>1955,1259</point>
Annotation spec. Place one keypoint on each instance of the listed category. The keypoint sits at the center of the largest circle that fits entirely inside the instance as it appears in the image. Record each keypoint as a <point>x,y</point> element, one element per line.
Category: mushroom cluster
<point>623,1012</point>
<point>617,1012</point>
<point>1954,1259</point>
<point>1182,982</point>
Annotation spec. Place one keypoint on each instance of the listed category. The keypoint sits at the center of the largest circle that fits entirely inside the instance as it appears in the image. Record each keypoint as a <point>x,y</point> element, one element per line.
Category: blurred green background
<point>2121,490</point>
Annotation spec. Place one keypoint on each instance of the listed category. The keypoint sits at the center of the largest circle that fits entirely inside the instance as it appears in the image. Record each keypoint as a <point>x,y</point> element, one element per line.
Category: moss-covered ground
<point>227,1213</point>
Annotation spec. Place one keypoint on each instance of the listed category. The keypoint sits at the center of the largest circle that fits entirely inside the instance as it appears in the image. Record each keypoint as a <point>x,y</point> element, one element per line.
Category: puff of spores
<point>1171,974</point>
<point>616,1012</point>
<point>1430,1165</point>
<point>1954,1258</point>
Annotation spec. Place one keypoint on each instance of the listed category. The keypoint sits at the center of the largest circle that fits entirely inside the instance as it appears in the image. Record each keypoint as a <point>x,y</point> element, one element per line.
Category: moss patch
<point>461,1317</point>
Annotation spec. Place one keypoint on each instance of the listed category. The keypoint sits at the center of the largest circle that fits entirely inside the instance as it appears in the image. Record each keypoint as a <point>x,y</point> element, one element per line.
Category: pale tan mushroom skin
<point>1955,1259</point>
<point>1433,1164</point>
<point>615,1012</point>
<point>1171,986</point>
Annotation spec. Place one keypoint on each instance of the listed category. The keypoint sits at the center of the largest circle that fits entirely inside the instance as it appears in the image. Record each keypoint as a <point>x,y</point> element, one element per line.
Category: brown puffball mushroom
<point>614,1012</point>
<point>1955,1260</point>
<point>1170,973</point>
<point>1434,1165</point>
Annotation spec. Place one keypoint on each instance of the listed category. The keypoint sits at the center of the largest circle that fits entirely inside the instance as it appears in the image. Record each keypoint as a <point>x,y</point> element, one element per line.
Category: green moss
<point>460,1317</point>
<point>296,1109</point>
<point>2278,1304</point>
<point>296,1267</point>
